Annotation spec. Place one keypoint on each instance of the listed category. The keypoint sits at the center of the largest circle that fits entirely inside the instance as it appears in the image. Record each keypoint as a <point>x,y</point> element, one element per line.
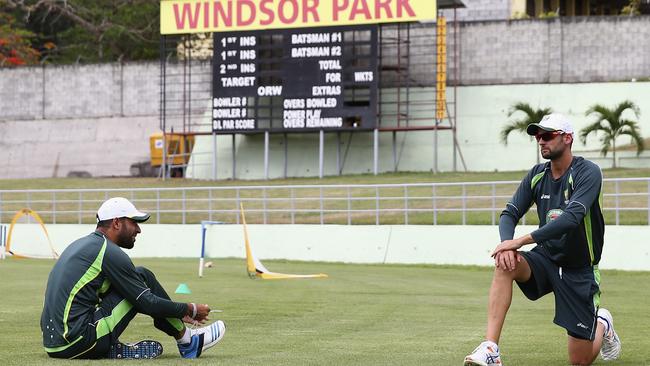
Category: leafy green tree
<point>632,8</point>
<point>91,30</point>
<point>528,115</point>
<point>611,124</point>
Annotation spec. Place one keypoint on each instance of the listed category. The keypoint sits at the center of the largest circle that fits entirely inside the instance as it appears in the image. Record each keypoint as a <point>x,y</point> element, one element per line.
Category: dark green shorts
<point>576,290</point>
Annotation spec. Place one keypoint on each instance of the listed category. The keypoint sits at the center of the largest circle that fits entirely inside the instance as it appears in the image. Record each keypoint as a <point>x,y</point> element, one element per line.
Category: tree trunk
<point>536,149</point>
<point>614,153</point>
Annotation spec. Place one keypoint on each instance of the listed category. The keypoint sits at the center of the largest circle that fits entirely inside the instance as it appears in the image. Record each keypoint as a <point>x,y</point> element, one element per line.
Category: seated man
<point>94,291</point>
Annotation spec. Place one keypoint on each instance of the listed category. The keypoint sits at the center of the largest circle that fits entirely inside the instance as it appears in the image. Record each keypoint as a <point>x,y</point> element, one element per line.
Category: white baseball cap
<point>551,122</point>
<point>117,207</point>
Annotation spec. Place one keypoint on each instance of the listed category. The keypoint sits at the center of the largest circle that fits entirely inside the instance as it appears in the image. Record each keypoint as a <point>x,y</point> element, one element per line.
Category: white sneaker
<point>202,339</point>
<point>487,353</point>
<point>611,348</point>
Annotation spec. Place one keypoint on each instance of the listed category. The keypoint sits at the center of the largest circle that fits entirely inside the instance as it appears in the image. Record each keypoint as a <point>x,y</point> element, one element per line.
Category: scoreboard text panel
<point>295,80</point>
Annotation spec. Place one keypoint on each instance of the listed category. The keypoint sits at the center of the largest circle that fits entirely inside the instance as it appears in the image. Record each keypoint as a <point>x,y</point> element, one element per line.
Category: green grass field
<point>360,315</point>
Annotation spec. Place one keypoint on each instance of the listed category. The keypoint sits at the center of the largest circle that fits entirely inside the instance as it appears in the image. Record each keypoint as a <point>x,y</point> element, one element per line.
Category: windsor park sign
<point>196,16</point>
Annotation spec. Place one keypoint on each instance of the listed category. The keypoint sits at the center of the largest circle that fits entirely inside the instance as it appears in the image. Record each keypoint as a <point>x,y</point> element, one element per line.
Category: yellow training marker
<point>257,270</point>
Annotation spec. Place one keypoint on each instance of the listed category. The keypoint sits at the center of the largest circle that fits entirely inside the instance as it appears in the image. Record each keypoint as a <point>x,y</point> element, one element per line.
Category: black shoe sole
<point>141,350</point>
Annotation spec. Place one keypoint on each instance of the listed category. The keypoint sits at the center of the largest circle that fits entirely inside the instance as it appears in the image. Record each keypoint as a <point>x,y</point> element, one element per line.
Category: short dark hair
<point>104,223</point>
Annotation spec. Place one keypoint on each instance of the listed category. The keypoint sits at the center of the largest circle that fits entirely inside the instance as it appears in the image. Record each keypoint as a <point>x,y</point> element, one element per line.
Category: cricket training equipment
<point>202,339</point>
<point>183,288</point>
<point>256,269</point>
<point>136,351</point>
<point>3,241</point>
<point>204,228</point>
<point>24,240</point>
<point>611,348</point>
<point>486,354</point>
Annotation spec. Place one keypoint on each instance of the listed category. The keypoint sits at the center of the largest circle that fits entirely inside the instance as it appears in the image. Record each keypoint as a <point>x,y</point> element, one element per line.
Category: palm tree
<point>612,125</point>
<point>531,116</point>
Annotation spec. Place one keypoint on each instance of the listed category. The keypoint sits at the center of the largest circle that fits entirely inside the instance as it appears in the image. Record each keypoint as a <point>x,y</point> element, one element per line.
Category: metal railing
<point>626,202</point>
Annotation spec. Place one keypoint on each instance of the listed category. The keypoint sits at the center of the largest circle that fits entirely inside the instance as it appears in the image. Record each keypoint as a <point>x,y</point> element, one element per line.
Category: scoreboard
<point>295,80</point>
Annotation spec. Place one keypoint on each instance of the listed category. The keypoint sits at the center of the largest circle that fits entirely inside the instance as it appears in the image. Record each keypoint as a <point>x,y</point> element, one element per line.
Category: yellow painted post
<point>441,69</point>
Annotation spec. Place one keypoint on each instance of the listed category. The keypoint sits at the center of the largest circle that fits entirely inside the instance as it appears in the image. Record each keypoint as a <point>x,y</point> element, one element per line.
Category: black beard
<point>124,240</point>
<point>552,155</point>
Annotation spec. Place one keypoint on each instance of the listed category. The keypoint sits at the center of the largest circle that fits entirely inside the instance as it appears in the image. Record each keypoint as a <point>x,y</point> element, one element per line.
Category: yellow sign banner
<point>201,16</point>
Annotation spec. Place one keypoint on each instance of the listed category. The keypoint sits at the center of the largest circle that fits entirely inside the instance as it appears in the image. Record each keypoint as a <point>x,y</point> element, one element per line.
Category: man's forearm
<point>526,239</point>
<point>507,225</point>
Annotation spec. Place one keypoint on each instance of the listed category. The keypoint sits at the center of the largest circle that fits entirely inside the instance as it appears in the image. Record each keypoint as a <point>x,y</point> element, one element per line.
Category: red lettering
<point>406,6</point>
<point>240,12</point>
<point>336,8</point>
<point>264,9</point>
<point>281,11</point>
<point>220,14</point>
<point>310,8</point>
<point>385,4</point>
<point>206,14</point>
<point>358,7</point>
<point>192,19</point>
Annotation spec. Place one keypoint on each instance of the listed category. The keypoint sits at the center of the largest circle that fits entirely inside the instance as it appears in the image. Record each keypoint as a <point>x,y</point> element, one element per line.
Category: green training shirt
<point>86,270</point>
<point>571,225</point>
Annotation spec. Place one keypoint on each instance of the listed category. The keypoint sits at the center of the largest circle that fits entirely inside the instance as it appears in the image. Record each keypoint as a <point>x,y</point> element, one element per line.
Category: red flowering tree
<point>15,47</point>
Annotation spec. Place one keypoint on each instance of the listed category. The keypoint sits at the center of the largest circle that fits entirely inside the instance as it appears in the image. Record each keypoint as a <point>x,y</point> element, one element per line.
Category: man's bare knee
<point>581,352</point>
<point>580,360</point>
<point>503,274</point>
<point>521,274</point>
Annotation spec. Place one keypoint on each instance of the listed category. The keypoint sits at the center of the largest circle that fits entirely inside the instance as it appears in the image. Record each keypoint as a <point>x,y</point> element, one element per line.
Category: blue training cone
<point>183,289</point>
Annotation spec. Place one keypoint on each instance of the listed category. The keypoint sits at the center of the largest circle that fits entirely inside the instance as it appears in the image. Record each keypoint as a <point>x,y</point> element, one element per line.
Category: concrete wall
<point>556,50</point>
<point>76,92</point>
<point>55,148</point>
<point>477,10</point>
<point>625,248</point>
<point>94,118</point>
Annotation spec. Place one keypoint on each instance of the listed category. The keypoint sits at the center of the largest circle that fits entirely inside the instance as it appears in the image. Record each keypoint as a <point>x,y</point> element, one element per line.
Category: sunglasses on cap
<point>548,136</point>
